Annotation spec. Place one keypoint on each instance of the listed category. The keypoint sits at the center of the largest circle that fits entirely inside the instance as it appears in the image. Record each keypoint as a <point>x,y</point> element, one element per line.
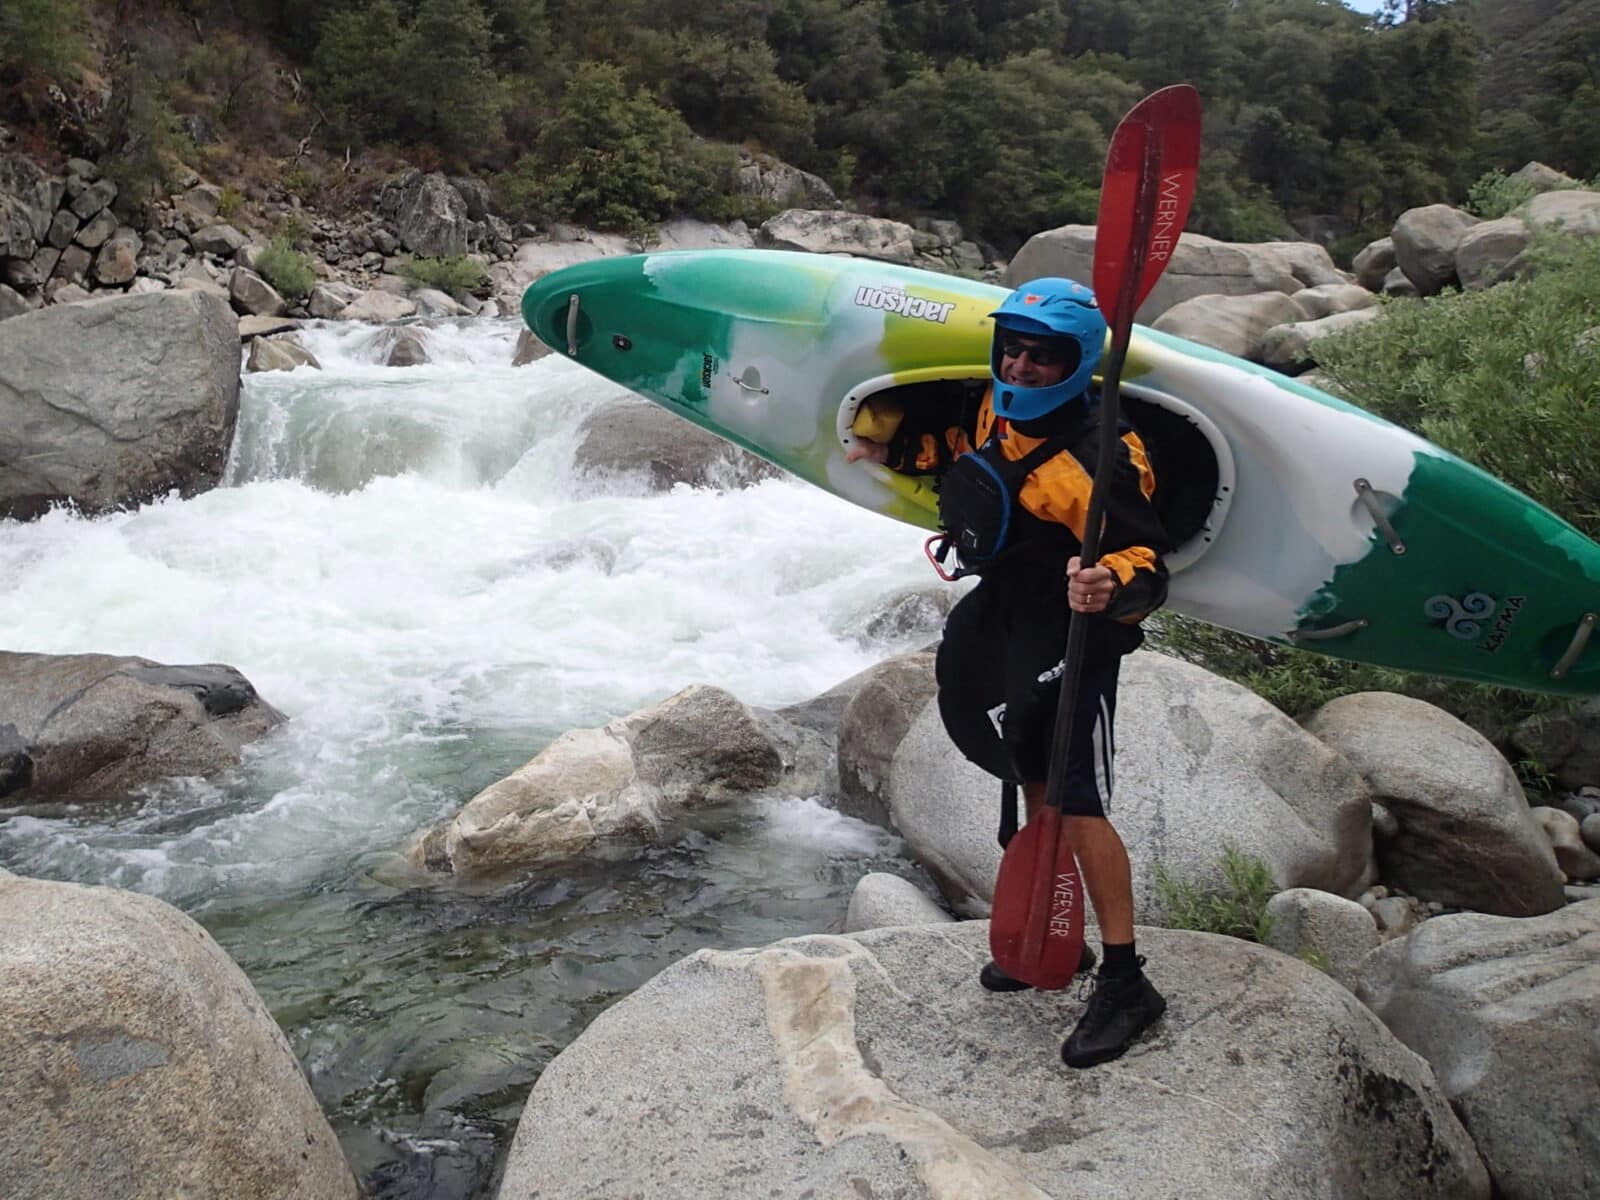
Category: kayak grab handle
<point>1369,501</point>
<point>1322,635</point>
<point>1580,639</point>
<point>572,325</point>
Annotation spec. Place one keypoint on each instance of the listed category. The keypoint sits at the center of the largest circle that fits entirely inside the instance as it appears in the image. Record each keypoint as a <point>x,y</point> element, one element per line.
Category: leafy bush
<point>45,35</point>
<point>1494,194</point>
<point>614,158</point>
<point>231,201</point>
<point>458,274</point>
<point>292,273</point>
<point>1237,909</point>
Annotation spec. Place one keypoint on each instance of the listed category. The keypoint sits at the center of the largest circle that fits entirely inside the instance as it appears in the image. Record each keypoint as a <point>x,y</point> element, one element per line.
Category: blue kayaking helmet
<point>1056,308</point>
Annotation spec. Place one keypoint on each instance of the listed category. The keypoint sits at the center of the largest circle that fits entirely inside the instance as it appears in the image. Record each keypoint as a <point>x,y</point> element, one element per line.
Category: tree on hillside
<point>453,96</point>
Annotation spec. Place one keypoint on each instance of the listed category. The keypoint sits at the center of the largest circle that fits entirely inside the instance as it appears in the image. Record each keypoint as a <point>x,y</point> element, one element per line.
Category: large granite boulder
<point>1466,837</point>
<point>881,901</point>
<point>1574,212</point>
<point>1373,264</point>
<point>1311,264</point>
<point>875,1065</point>
<point>429,213</point>
<point>697,748</point>
<point>112,403</point>
<point>1507,1013</point>
<point>1490,253</point>
<point>1288,347</point>
<point>762,177</point>
<point>1200,266</point>
<point>872,727</point>
<point>1326,299</point>
<point>1425,241</point>
<point>141,1064</point>
<point>82,728</point>
<point>29,197</point>
<point>1201,763</point>
<point>828,232</point>
<point>1233,324</point>
<point>643,440</point>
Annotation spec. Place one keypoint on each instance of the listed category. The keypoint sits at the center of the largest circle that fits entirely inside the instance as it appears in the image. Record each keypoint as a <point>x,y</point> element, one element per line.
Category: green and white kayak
<point>1299,518</point>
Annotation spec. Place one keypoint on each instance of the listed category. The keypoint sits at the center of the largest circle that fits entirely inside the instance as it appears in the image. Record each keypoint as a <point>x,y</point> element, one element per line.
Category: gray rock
<point>140,1062</point>
<point>633,437</point>
<point>95,726</point>
<point>405,348</point>
<point>1574,212</point>
<point>1288,347</point>
<point>828,232</point>
<point>1568,746</point>
<point>254,296</point>
<point>1395,916</point>
<point>1330,298</point>
<point>431,302</point>
<point>686,233</point>
<point>1310,263</point>
<point>1491,253</point>
<point>762,177</point>
<point>1396,283</point>
<point>118,259</point>
<point>529,349</point>
<point>872,727</point>
<point>430,214</point>
<point>1425,241</point>
<point>222,240</point>
<point>875,1066</point>
<point>882,901</point>
<point>697,748</point>
<point>1507,1013</point>
<point>1589,830</point>
<point>1200,266</point>
<point>73,265</point>
<point>1542,178</point>
<point>1564,833</point>
<point>86,425</point>
<point>328,300</point>
<point>63,227</point>
<point>1233,324</point>
<point>252,326</point>
<point>11,304</point>
<point>1201,762</point>
<point>1305,922</point>
<point>91,235</point>
<point>98,195</point>
<point>377,307</point>
<point>29,197</point>
<point>278,354</point>
<point>1466,837</point>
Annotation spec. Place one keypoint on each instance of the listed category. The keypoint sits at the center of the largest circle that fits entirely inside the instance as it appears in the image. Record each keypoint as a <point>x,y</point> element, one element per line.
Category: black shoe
<point>996,980</point>
<point>1119,1011</point>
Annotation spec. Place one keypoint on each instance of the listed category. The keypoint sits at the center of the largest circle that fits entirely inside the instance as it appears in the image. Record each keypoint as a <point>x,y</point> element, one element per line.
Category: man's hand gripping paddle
<point>1036,933</point>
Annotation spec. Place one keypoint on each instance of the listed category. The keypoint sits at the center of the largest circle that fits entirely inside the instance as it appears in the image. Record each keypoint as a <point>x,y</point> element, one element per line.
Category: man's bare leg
<point>1103,859</point>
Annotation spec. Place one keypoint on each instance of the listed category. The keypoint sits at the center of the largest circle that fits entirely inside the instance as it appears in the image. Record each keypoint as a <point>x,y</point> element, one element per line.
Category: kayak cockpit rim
<point>1187,440</point>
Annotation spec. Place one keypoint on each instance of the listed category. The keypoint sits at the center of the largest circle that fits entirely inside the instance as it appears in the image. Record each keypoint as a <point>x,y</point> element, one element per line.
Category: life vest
<point>982,518</point>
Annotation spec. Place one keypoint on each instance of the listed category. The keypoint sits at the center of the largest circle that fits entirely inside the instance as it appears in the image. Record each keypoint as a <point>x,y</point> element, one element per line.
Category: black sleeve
<point>921,446</point>
<point>1131,521</point>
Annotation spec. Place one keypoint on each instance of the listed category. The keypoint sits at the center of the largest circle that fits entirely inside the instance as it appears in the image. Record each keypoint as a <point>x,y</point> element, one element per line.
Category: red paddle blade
<point>1036,931</point>
<point>1152,163</point>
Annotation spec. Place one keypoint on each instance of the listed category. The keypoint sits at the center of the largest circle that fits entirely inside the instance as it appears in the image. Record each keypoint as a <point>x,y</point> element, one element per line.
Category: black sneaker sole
<point>993,979</point>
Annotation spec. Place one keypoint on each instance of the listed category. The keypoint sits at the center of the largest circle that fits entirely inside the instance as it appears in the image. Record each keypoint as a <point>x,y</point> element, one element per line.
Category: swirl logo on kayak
<point>894,300</point>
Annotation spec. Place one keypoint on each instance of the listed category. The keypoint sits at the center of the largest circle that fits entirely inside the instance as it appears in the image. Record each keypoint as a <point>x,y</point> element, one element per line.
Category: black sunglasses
<point>1041,354</point>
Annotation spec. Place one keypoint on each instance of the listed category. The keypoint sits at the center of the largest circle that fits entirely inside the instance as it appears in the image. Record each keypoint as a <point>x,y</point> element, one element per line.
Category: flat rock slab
<point>875,1065</point>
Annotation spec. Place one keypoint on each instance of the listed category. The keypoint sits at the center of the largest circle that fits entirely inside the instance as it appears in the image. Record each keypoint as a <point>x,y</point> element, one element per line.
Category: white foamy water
<point>404,562</point>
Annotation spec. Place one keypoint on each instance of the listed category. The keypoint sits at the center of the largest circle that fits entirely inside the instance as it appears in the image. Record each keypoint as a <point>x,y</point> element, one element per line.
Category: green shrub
<point>1494,194</point>
<point>458,274</point>
<point>292,273</point>
<point>45,35</point>
<point>1238,908</point>
<point>231,201</point>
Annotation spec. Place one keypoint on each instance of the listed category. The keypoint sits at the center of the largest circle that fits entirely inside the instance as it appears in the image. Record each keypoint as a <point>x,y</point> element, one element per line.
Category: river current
<point>407,563</point>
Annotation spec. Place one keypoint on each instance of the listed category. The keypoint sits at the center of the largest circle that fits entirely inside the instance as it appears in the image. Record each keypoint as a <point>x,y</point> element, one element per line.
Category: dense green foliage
<point>459,274</point>
<point>1507,378</point>
<point>292,272</point>
<point>1238,908</point>
<point>995,113</point>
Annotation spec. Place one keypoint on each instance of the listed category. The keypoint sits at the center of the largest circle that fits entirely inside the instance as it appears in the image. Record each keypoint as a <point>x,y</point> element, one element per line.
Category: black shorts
<point>998,670</point>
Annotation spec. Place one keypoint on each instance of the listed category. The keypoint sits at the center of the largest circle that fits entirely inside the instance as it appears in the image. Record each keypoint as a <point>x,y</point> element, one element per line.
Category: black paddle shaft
<point>1105,466</point>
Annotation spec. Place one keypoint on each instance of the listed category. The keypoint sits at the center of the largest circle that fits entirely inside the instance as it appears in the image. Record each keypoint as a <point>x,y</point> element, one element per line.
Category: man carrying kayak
<point>1015,471</point>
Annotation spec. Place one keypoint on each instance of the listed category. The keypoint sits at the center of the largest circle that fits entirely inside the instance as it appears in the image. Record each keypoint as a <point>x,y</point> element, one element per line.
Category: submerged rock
<point>85,728</point>
<point>875,1065</point>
